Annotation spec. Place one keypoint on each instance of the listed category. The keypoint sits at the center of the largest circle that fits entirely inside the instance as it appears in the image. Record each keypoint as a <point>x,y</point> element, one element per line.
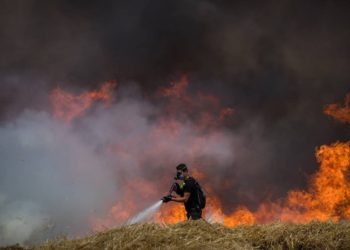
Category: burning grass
<point>202,235</point>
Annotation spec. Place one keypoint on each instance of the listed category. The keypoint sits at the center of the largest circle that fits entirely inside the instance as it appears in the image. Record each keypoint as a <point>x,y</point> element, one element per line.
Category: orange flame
<point>327,198</point>
<point>67,106</point>
<point>177,89</point>
<point>171,213</point>
<point>204,109</point>
<point>338,112</point>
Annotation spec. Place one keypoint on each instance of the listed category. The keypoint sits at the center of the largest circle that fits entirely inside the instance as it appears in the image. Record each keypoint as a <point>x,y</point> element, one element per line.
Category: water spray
<point>145,214</point>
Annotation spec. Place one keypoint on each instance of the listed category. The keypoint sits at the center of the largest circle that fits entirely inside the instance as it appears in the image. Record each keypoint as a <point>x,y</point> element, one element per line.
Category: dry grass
<point>202,235</point>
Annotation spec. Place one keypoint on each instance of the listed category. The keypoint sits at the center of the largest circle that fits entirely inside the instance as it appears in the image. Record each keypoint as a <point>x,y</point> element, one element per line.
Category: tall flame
<point>328,197</point>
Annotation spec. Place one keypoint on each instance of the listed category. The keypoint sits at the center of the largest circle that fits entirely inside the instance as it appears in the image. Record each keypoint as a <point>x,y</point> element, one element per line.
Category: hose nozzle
<point>166,198</point>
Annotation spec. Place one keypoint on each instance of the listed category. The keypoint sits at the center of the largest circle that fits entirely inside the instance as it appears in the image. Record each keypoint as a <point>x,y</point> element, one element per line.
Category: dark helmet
<point>182,167</point>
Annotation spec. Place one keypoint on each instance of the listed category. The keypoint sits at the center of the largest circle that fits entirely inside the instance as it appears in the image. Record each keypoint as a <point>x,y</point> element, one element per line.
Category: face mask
<point>179,176</point>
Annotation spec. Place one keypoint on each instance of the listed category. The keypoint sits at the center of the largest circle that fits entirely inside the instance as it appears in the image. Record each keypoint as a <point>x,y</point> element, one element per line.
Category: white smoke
<point>47,170</point>
<point>56,177</point>
<point>20,220</point>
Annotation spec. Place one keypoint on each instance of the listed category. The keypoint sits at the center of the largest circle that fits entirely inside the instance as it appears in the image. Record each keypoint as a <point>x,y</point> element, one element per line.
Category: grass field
<point>202,235</point>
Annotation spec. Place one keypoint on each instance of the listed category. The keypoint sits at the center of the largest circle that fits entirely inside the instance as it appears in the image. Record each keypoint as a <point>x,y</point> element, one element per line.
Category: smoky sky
<point>277,63</point>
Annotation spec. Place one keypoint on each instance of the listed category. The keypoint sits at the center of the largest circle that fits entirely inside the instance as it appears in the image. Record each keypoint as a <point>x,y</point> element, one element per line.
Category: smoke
<point>58,177</point>
<point>20,220</point>
<point>49,173</point>
<point>276,63</point>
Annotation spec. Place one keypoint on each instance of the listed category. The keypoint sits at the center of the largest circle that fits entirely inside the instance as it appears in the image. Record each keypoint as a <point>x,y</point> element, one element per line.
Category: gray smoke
<point>276,62</point>
<point>57,177</point>
<point>49,175</point>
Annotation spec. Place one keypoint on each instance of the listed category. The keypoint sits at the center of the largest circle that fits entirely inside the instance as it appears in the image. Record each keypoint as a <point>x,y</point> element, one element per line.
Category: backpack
<point>201,198</point>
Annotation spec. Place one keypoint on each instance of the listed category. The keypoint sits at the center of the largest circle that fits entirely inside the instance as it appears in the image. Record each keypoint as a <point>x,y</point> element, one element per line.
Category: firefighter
<point>187,190</point>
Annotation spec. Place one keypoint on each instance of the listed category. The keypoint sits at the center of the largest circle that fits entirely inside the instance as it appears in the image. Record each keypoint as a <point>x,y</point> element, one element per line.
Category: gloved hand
<point>166,199</point>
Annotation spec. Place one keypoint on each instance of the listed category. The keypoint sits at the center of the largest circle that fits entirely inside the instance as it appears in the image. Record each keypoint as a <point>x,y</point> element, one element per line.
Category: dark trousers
<point>194,214</point>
